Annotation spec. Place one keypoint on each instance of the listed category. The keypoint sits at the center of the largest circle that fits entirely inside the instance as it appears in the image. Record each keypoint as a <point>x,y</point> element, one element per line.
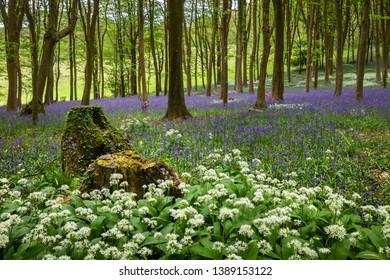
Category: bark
<point>153,47</point>
<point>385,28</point>
<point>363,43</point>
<point>187,54</point>
<point>212,48</point>
<point>266,32</point>
<point>89,23</point>
<point>176,103</point>
<point>377,37</point>
<point>328,38</point>
<point>224,31</point>
<point>52,36</point>
<point>339,41</point>
<point>34,62</point>
<point>133,37</point>
<point>141,56</point>
<point>277,90</point>
<point>254,48</point>
<point>309,35</point>
<point>238,83</point>
<point>12,15</point>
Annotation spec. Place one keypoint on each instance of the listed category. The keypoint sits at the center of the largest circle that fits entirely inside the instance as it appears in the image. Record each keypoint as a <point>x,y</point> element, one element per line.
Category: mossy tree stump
<point>28,109</point>
<point>88,135</point>
<point>135,169</point>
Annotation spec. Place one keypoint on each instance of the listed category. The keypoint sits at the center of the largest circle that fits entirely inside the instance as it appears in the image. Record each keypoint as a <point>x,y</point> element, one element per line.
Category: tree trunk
<point>176,102</point>
<point>329,39</point>
<point>309,34</point>
<point>153,47</point>
<point>52,36</point>
<point>385,27</point>
<point>212,48</point>
<point>266,32</point>
<point>12,15</point>
<point>90,20</point>
<point>187,55</point>
<point>133,36</point>
<point>278,71</point>
<point>34,62</point>
<point>339,56</point>
<point>363,43</point>
<point>254,48</point>
<point>141,56</point>
<point>224,31</point>
<point>238,85</point>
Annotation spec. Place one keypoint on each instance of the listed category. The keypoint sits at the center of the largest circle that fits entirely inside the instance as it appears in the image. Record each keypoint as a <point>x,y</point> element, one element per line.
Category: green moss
<point>88,134</point>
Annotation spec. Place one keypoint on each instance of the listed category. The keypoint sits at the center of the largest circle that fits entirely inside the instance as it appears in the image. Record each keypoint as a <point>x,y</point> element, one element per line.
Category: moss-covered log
<point>27,109</point>
<point>135,169</point>
<point>88,135</point>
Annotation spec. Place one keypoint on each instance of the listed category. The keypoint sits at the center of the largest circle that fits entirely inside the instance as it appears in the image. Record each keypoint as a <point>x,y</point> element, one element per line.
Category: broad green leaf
<point>153,241</point>
<point>340,250</point>
<point>19,231</point>
<point>368,255</point>
<point>97,223</point>
<point>287,251</point>
<point>252,252</point>
<point>76,201</point>
<point>204,252</point>
<point>375,237</point>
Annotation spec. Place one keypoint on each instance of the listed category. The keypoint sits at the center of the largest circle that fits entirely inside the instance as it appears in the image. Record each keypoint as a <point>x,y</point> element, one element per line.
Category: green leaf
<point>204,252</point>
<point>217,229</point>
<point>252,252</point>
<point>286,250</point>
<point>19,231</point>
<point>21,250</point>
<point>340,250</point>
<point>68,207</point>
<point>308,231</point>
<point>153,241</point>
<point>375,237</point>
<point>97,223</point>
<point>368,255</point>
<point>76,201</point>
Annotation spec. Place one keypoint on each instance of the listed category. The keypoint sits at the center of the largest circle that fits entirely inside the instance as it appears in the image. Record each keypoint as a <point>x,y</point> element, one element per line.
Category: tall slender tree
<point>254,48</point>
<point>141,56</point>
<point>89,19</point>
<point>363,44</point>
<point>13,14</point>
<point>176,103</point>
<point>52,36</point>
<point>224,32</point>
<point>277,90</point>
<point>238,82</point>
<point>266,32</point>
<point>340,47</point>
<point>211,64</point>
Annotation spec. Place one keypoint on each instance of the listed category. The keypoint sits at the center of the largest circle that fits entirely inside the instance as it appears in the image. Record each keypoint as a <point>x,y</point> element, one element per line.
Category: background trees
<point>120,48</point>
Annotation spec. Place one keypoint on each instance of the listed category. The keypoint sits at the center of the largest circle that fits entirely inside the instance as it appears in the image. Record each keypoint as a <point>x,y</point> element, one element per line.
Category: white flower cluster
<point>5,227</point>
<point>336,231</point>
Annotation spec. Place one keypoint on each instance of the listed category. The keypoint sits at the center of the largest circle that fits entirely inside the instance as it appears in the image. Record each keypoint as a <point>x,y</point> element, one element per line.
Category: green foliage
<point>230,210</point>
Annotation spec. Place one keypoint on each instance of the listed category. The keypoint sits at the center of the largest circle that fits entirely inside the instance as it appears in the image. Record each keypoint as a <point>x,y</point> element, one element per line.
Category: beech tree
<point>278,71</point>
<point>89,17</point>
<point>176,103</point>
<point>363,43</point>
<point>224,31</point>
<point>141,56</point>
<point>266,32</point>
<point>51,37</point>
<point>12,13</point>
